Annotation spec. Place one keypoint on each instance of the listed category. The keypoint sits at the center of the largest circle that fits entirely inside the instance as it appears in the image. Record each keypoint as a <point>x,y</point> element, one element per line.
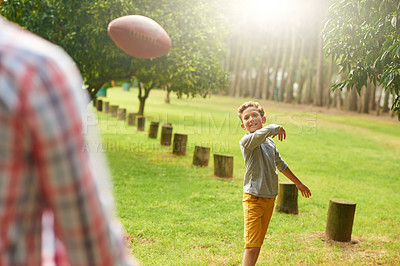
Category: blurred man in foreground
<point>46,171</point>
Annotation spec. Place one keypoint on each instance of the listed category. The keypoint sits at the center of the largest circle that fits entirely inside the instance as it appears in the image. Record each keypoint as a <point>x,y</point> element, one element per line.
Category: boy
<point>261,179</point>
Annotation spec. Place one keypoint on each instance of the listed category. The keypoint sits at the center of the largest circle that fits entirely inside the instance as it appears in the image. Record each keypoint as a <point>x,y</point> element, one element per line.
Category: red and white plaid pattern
<point>43,161</point>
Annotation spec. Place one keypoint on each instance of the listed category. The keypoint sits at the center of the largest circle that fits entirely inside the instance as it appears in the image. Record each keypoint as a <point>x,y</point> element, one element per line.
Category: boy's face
<point>252,120</point>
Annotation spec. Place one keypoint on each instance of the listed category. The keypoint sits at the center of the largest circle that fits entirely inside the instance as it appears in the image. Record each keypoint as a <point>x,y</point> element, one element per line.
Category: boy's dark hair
<point>247,105</point>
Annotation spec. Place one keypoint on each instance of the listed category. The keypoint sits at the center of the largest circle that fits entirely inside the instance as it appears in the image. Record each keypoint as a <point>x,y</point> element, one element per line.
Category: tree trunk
<point>281,90</point>
<point>276,69</point>
<point>338,96</point>
<point>308,84</point>
<point>372,97</point>
<point>265,82</point>
<point>328,83</point>
<point>144,91</point>
<point>319,76</point>
<point>366,93</point>
<point>287,198</point>
<point>228,57</point>
<point>260,75</point>
<point>339,223</point>
<point>142,102</point>
<point>385,108</point>
<point>298,69</point>
<point>352,99</point>
<point>235,70</point>
<point>167,99</point>
<point>300,87</point>
<point>292,69</point>
<point>238,84</point>
<point>247,89</point>
<point>393,111</point>
<point>257,87</point>
<point>378,107</point>
<point>245,86</point>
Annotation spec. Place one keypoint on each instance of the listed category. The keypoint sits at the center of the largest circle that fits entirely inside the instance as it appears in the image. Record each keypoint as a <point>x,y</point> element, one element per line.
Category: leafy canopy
<point>363,35</point>
<point>80,27</point>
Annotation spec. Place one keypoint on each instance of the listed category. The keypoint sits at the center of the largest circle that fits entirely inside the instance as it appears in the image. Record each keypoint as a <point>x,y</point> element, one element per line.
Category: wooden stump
<point>166,134</point>
<point>121,114</point>
<point>140,123</point>
<point>113,110</point>
<point>339,223</point>
<point>180,142</point>
<point>201,156</point>
<point>153,130</point>
<point>106,107</point>
<point>287,198</point>
<point>223,165</point>
<point>132,119</point>
<point>99,105</point>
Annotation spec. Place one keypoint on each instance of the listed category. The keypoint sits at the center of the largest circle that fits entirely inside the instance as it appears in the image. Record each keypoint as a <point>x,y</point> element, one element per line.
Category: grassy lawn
<point>178,214</point>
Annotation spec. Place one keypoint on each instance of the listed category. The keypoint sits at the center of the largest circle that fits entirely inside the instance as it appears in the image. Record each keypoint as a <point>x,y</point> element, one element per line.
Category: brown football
<point>139,36</point>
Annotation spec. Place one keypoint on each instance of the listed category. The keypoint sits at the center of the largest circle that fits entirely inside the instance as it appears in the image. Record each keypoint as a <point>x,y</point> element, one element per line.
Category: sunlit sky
<point>274,11</point>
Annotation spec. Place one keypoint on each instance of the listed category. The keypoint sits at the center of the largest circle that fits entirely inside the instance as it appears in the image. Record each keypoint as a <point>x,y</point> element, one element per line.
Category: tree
<point>80,28</point>
<point>193,67</point>
<point>364,37</point>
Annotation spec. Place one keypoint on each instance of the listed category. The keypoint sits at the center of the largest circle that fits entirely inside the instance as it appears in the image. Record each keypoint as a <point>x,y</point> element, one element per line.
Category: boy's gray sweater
<point>261,159</point>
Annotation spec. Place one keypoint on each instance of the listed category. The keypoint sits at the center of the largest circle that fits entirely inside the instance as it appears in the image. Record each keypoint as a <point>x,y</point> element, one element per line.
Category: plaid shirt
<point>44,164</point>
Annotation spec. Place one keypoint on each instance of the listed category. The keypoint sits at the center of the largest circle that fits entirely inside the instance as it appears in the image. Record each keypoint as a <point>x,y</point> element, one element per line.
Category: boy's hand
<point>305,192</point>
<point>281,134</point>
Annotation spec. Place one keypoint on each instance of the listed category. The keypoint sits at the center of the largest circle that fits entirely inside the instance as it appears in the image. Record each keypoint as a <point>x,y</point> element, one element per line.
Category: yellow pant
<point>257,214</point>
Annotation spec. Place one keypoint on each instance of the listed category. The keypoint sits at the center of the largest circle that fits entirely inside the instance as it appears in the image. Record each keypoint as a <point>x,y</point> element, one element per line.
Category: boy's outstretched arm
<point>300,186</point>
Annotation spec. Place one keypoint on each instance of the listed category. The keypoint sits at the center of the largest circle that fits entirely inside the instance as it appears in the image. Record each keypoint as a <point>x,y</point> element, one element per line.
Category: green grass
<point>178,214</point>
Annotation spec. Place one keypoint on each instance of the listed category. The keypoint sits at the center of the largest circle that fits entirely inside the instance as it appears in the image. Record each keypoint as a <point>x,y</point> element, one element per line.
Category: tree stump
<point>223,165</point>
<point>132,119</point>
<point>94,101</point>
<point>287,198</point>
<point>166,134</point>
<point>106,107</point>
<point>140,123</point>
<point>153,130</point>
<point>339,222</point>
<point>121,114</point>
<point>113,110</point>
<point>201,156</point>
<point>99,105</point>
<point>180,142</point>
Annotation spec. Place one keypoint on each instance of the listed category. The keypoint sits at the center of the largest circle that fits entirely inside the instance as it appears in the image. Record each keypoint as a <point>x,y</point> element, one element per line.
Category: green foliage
<point>363,35</point>
<point>192,67</point>
<point>80,27</point>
